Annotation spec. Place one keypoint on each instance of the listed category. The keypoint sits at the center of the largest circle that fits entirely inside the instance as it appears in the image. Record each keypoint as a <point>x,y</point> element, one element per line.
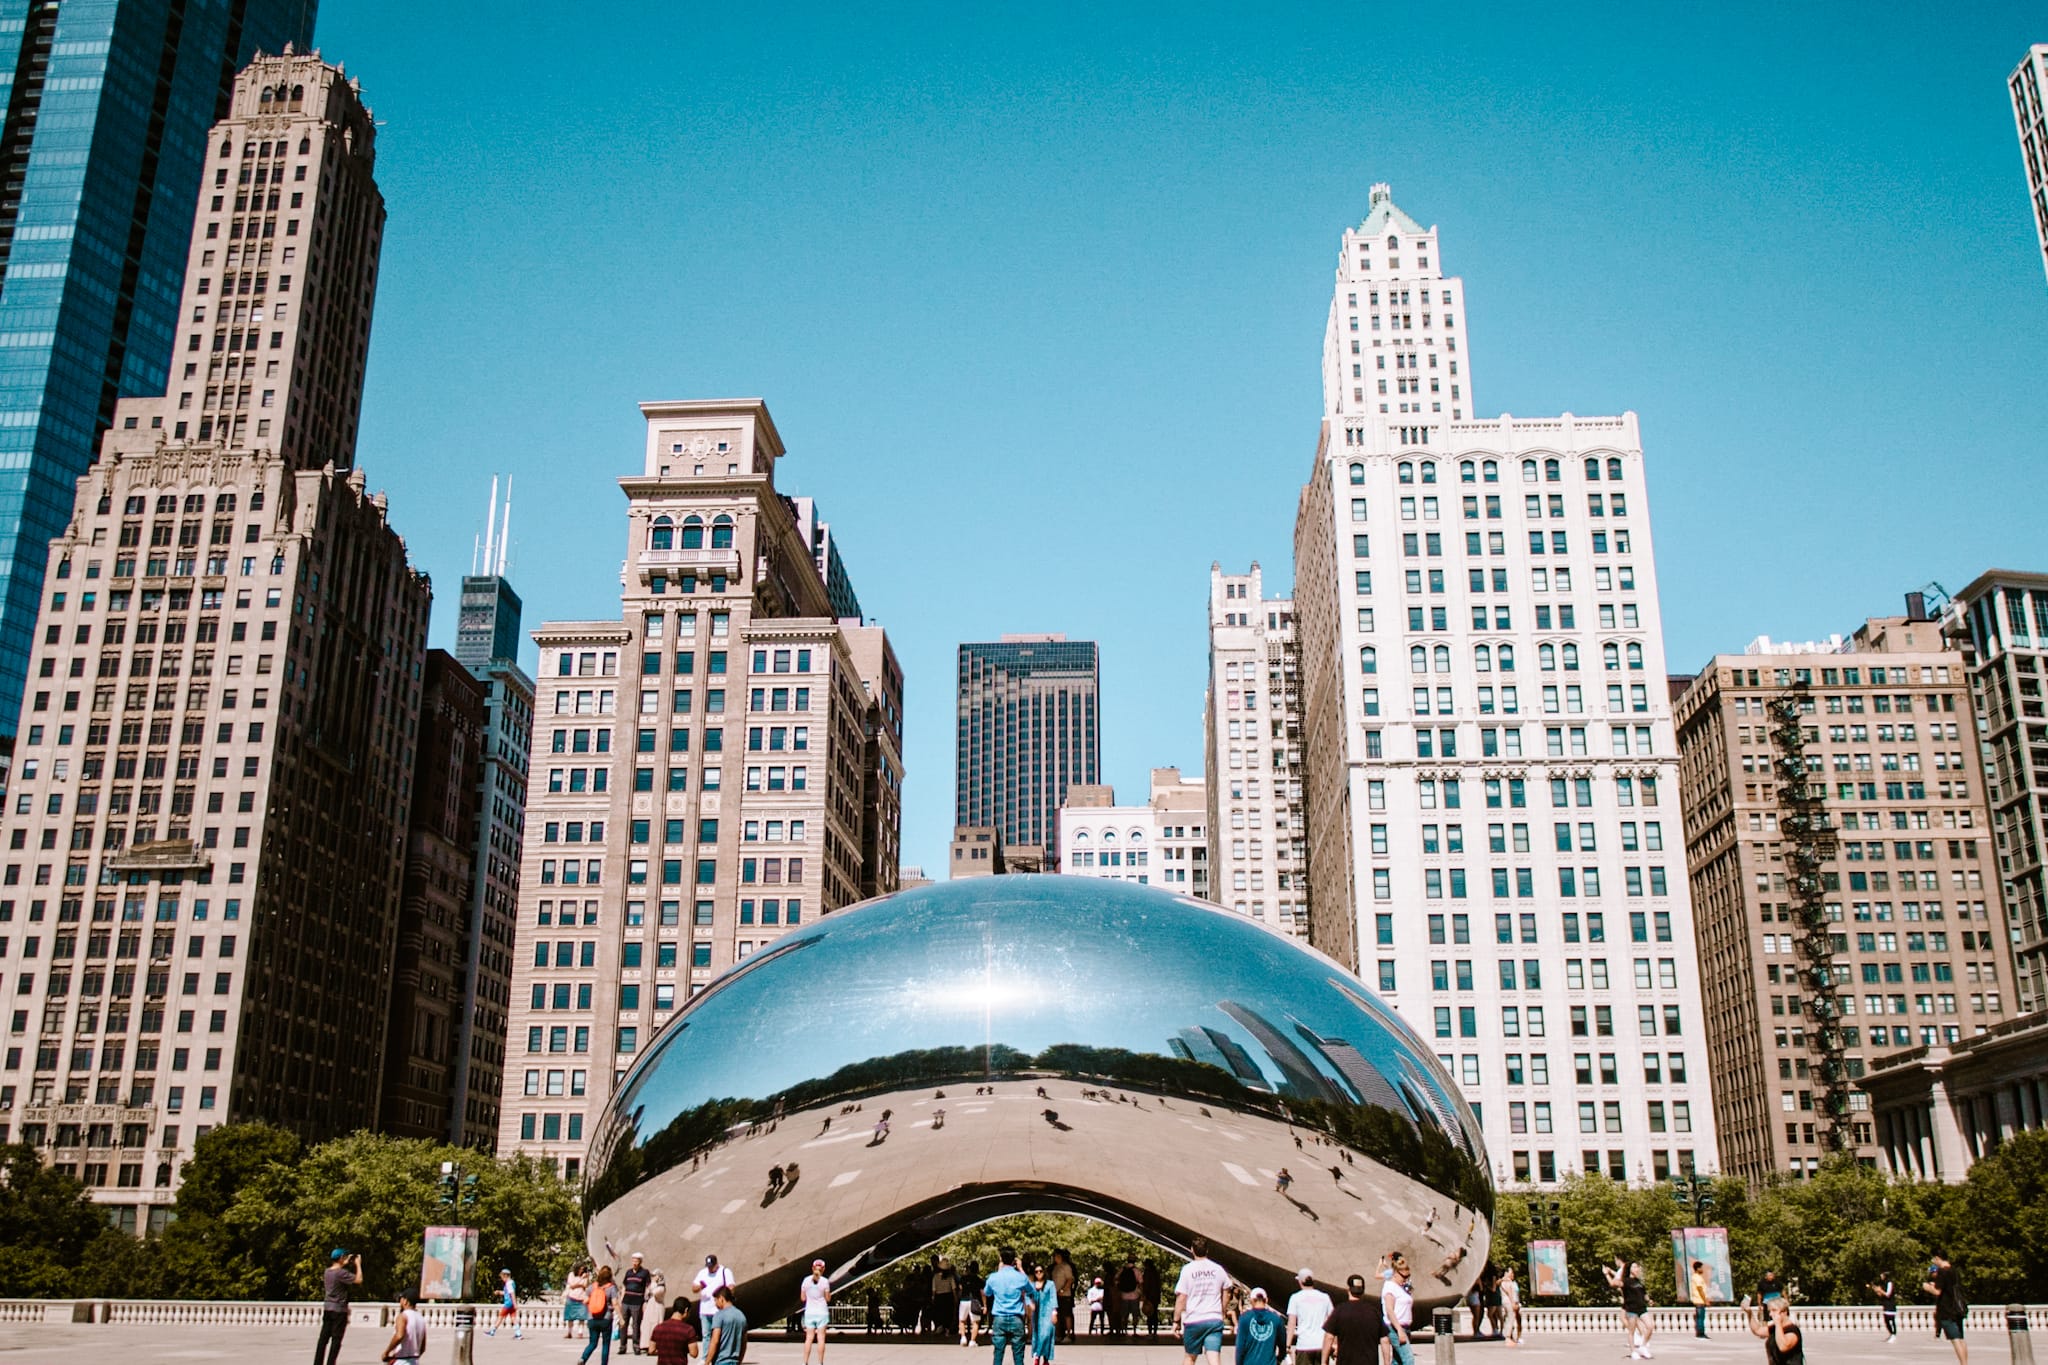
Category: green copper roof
<point>1385,213</point>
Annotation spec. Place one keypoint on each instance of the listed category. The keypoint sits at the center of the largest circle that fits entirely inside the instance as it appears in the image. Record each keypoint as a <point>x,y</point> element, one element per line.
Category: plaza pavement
<point>87,1344</point>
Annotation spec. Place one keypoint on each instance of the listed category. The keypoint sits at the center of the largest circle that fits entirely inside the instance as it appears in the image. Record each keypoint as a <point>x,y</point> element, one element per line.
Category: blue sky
<point>1036,295</point>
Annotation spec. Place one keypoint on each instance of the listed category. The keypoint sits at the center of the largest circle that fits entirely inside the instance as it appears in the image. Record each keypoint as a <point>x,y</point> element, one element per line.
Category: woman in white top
<point>576,1300</point>
<point>1511,1305</point>
<point>816,1292</point>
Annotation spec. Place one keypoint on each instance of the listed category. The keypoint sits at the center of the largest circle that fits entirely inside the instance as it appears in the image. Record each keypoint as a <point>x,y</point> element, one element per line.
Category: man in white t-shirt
<point>1307,1311</point>
<point>1198,1304</point>
<point>708,1282</point>
<point>816,1292</point>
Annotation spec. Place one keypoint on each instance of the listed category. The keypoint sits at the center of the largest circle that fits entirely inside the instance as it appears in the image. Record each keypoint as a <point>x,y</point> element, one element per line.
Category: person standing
<point>1261,1332</point>
<point>1095,1314</point>
<point>1151,1284</point>
<point>726,1343</point>
<point>1198,1305</point>
<point>1062,1277</point>
<point>601,1303</point>
<point>1949,1308</point>
<point>1009,1307</point>
<point>1356,1327</point>
<point>1397,1310</point>
<point>408,1335</point>
<point>970,1303</point>
<point>674,1339</point>
<point>1307,1310</point>
<point>633,1287</point>
<point>1702,1295</point>
<point>1125,1318</point>
<point>1045,1316</point>
<point>1511,1305</point>
<point>816,1293</point>
<point>708,1282</point>
<point>575,1290</point>
<point>344,1272</point>
<point>945,1294</point>
<point>1888,1302</point>
<point>1635,1311</point>
<point>1783,1344</point>
<point>508,1307</point>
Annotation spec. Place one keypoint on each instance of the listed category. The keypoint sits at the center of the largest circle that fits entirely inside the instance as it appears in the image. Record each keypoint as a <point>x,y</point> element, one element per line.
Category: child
<point>508,1307</point>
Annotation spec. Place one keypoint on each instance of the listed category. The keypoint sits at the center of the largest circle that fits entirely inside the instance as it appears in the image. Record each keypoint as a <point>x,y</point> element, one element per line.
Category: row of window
<point>1488,471</point>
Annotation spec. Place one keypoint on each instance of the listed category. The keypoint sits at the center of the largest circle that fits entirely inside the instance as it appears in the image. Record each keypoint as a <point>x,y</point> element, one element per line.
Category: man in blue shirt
<point>1009,1307</point>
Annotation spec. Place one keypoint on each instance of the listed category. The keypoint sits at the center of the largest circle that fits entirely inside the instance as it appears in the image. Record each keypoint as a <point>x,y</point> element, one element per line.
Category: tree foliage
<point>1835,1233</point>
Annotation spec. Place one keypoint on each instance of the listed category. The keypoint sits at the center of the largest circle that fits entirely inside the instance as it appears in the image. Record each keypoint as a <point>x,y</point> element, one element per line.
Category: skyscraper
<point>711,758</point>
<point>1251,739</point>
<point>213,772</point>
<point>104,135</point>
<point>1026,732</point>
<point>2029,86</point>
<point>1489,766</point>
<point>1839,847</point>
<point>2000,623</point>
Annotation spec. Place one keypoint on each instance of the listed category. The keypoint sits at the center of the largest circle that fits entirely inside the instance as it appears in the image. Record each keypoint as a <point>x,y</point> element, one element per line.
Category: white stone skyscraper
<point>1490,769</point>
<point>2029,86</point>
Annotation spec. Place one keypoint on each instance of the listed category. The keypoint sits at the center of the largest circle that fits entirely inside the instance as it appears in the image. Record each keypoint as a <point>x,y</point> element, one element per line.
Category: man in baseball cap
<point>1307,1311</point>
<point>1260,1332</point>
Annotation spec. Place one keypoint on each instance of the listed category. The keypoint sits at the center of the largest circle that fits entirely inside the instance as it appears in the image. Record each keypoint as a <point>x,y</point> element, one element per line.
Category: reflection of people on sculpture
<point>938,1119</point>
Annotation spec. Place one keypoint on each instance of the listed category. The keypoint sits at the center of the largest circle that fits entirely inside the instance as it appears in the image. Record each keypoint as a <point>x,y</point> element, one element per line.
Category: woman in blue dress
<point>1045,1320</point>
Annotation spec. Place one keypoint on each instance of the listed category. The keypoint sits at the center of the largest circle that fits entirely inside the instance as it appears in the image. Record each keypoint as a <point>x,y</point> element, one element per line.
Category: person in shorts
<point>816,1293</point>
<point>1198,1305</point>
<point>1949,1309</point>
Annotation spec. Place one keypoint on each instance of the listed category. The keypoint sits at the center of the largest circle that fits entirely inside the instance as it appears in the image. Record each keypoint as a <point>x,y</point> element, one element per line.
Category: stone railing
<point>1722,1319</point>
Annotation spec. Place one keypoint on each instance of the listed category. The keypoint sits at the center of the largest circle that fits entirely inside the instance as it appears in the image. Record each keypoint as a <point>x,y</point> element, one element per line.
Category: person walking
<point>1356,1327</point>
<point>1511,1305</point>
<point>1635,1311</point>
<point>674,1338</point>
<point>1783,1344</point>
<point>970,1303</point>
<point>408,1335</point>
<point>575,1291</point>
<point>633,1287</point>
<point>1887,1302</point>
<point>1062,1276</point>
<point>1949,1309</point>
<point>1282,1180</point>
<point>1198,1305</point>
<point>1261,1332</point>
<point>1045,1316</point>
<point>344,1272</point>
<point>816,1294</point>
<point>601,1303</point>
<point>1397,1309</point>
<point>707,1283</point>
<point>1009,1307</point>
<point>726,1343</point>
<point>1308,1308</point>
<point>1702,1294</point>
<point>508,1307</point>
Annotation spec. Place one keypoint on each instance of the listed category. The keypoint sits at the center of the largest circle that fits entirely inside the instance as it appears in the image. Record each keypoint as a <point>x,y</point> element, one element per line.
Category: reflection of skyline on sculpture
<point>1087,1039</point>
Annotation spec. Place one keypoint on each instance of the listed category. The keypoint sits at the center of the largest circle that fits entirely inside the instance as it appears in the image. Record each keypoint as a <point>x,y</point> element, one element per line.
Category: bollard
<point>2016,1333</point>
<point>1444,1323</point>
<point>465,1336</point>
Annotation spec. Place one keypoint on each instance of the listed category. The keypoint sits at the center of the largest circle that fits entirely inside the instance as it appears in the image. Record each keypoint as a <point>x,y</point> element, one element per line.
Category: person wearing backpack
<point>601,1303</point>
<point>1950,1311</point>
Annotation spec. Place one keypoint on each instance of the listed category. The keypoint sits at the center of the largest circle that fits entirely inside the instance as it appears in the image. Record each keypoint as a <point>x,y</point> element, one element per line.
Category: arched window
<point>1528,471</point>
<point>721,532</point>
<point>662,534</point>
<point>305,145</point>
<point>1610,655</point>
<point>1357,474</point>
<point>1368,660</point>
<point>1593,468</point>
<point>264,98</point>
<point>1467,471</point>
<point>1482,659</point>
<point>1551,471</point>
<point>1614,470</point>
<point>1443,658</point>
<point>1080,836</point>
<point>224,503</point>
<point>693,532</point>
<point>1635,656</point>
<point>1109,836</point>
<point>1429,471</point>
<point>1137,837</point>
<point>1489,472</point>
<point>227,148</point>
<point>1546,658</point>
<point>1393,242</point>
<point>298,95</point>
<point>1571,658</point>
<point>1507,658</point>
<point>1405,472</point>
<point>1418,660</point>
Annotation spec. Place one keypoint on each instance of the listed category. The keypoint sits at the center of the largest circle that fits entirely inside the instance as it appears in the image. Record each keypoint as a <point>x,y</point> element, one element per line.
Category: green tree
<point>1035,1236</point>
<point>46,1223</point>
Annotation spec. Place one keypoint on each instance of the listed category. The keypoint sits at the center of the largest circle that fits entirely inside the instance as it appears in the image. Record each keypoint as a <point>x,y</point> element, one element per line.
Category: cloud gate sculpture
<point>950,1054</point>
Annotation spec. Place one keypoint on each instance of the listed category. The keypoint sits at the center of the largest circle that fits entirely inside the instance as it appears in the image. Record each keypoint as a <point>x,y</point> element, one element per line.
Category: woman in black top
<point>1783,1344</point>
<point>1635,1311</point>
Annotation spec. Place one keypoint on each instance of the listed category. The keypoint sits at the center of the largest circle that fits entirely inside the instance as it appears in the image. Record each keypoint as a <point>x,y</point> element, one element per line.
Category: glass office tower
<point>108,103</point>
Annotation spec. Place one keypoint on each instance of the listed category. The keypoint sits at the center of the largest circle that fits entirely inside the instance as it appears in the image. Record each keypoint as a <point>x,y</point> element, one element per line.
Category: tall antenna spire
<point>490,525</point>
<point>505,532</point>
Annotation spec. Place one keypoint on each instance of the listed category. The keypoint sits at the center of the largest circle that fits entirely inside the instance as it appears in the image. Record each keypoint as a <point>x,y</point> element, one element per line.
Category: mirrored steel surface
<point>949,1054</point>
